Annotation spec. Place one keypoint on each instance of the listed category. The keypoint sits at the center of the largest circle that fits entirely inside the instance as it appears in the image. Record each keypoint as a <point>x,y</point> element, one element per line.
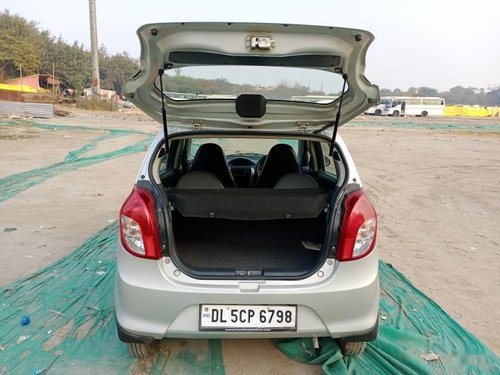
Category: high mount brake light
<point>138,227</point>
<point>359,228</point>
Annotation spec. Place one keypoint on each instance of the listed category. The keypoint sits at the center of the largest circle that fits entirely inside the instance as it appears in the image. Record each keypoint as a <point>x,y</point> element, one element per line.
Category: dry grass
<point>96,104</point>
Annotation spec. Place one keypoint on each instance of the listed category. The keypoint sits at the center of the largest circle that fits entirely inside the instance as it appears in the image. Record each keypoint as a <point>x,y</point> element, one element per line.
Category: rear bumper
<point>150,305</point>
<point>125,336</point>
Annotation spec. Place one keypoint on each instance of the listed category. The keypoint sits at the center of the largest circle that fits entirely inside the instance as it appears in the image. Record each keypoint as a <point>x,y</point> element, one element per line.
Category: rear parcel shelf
<point>249,204</point>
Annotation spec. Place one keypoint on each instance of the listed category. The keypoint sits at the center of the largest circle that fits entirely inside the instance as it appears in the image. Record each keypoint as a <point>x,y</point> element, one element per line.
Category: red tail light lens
<point>138,227</point>
<point>359,228</point>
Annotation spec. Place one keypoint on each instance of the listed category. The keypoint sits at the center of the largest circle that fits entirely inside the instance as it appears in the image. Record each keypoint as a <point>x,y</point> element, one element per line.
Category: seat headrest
<point>199,180</point>
<point>210,158</point>
<point>296,181</point>
<point>280,160</point>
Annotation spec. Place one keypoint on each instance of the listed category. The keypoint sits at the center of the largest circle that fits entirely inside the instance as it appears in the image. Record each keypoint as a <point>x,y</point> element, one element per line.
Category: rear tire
<point>352,348</point>
<point>138,349</point>
<point>424,114</point>
<point>378,112</point>
<point>395,114</point>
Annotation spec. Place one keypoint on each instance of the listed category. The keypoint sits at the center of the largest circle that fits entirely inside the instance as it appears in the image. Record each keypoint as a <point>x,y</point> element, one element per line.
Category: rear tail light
<point>359,228</point>
<point>138,227</point>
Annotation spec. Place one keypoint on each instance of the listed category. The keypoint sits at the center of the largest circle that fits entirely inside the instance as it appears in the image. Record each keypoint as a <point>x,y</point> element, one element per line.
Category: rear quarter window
<point>328,160</point>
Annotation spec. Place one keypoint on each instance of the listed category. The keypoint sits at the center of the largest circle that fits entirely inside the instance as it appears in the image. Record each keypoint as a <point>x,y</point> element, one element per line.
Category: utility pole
<point>96,85</point>
<point>54,78</point>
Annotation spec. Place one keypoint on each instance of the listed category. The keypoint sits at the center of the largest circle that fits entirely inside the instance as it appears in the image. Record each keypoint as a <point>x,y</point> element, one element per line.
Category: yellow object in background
<point>471,111</point>
<point>22,88</point>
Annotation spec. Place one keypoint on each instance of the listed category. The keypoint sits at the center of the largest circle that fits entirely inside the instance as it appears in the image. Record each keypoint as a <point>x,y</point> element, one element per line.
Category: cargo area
<point>263,246</point>
<point>262,231</point>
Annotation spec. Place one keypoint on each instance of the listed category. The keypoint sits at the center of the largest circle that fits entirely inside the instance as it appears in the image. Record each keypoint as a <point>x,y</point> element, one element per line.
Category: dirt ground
<point>435,191</point>
<point>437,197</point>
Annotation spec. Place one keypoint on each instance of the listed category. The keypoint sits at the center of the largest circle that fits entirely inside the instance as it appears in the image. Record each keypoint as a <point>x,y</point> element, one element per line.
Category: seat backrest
<point>296,181</point>
<point>210,158</point>
<point>280,161</point>
<point>199,180</point>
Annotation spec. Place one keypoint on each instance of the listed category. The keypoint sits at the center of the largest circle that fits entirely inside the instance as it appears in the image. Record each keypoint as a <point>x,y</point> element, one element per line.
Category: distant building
<point>39,82</point>
<point>31,96</point>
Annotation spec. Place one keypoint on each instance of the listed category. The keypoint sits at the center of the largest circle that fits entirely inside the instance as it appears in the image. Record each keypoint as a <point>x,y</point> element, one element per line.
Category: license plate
<point>248,318</point>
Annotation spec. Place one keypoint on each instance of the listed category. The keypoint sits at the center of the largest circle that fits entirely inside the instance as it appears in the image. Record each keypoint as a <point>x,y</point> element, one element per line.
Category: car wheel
<point>378,112</point>
<point>352,348</point>
<point>395,113</point>
<point>138,349</point>
<point>424,114</point>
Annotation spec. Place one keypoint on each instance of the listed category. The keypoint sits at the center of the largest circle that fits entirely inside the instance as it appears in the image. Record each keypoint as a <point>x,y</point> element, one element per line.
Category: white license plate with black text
<point>248,318</point>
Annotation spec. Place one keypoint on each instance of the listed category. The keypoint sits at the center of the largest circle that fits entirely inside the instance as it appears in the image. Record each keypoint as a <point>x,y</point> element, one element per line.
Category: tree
<point>427,91</point>
<point>71,62</point>
<point>18,46</point>
<point>460,95</point>
<point>413,91</point>
<point>22,44</point>
<point>385,92</point>
<point>492,98</point>
<point>115,69</point>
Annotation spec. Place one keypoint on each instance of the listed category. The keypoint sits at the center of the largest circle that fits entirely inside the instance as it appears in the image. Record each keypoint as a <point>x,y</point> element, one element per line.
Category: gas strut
<point>163,111</point>
<point>335,123</point>
<point>337,117</point>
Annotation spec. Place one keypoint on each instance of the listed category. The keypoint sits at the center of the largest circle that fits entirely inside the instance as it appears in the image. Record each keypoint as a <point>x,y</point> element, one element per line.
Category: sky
<point>431,43</point>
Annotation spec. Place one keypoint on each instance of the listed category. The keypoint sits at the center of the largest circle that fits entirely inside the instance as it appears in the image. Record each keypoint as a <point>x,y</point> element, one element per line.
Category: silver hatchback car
<point>248,218</point>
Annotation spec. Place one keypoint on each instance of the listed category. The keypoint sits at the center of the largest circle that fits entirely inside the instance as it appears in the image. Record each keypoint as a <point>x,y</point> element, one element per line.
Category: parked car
<point>249,218</point>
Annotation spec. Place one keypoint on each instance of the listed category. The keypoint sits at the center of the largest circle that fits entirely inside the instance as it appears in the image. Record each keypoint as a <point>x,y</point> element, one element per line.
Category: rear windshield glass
<point>274,83</point>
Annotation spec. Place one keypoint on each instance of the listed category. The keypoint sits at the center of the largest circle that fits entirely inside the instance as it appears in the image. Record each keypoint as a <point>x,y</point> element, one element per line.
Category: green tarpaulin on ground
<point>72,329</point>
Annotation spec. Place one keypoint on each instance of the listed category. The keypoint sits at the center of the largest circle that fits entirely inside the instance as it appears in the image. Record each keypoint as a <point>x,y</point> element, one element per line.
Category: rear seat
<point>199,180</point>
<point>200,194</point>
